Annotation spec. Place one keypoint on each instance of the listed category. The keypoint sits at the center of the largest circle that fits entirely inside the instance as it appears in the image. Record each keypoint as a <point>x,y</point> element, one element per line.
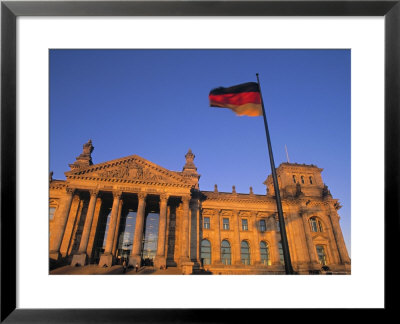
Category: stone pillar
<point>186,264</point>
<point>93,230</point>
<point>114,249</point>
<point>344,257</point>
<point>81,257</point>
<point>185,229</point>
<point>310,244</point>
<point>107,258</point>
<point>59,227</point>
<point>236,241</point>
<point>160,259</point>
<point>274,249</point>
<point>217,244</point>
<point>135,256</point>
<point>255,250</point>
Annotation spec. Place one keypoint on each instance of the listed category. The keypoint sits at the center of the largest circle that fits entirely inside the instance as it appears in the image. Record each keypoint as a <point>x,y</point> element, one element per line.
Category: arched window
<point>316,225</point>
<point>225,252</point>
<point>302,179</point>
<point>264,252</point>
<point>321,254</point>
<point>205,252</point>
<point>282,259</point>
<point>310,179</point>
<point>245,253</point>
<point>294,178</point>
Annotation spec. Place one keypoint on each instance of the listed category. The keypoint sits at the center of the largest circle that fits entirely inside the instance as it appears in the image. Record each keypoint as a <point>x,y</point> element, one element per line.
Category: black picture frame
<point>10,10</point>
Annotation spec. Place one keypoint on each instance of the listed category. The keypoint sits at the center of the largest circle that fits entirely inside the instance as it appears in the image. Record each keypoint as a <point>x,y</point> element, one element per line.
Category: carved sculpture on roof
<point>189,168</point>
<point>131,171</point>
<point>326,192</point>
<point>84,159</point>
<point>215,188</point>
<point>298,190</point>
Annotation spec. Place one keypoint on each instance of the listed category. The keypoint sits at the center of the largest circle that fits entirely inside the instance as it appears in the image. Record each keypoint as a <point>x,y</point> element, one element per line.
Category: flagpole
<point>285,246</point>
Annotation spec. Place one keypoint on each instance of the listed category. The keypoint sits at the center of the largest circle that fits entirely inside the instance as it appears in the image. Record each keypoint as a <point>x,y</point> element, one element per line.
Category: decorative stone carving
<point>189,167</point>
<point>233,189</point>
<point>131,170</point>
<point>85,159</point>
<point>326,192</point>
<point>142,195</point>
<point>117,194</point>
<point>94,192</point>
<point>215,188</point>
<point>51,176</point>
<point>70,190</point>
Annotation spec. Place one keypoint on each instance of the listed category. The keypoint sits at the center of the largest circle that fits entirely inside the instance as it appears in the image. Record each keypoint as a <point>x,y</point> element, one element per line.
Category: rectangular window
<point>321,254</point>
<point>245,226</point>
<point>225,223</point>
<point>206,222</point>
<point>51,212</point>
<point>263,226</point>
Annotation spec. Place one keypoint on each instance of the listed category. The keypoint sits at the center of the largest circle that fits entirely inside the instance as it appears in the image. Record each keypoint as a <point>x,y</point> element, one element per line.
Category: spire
<point>85,159</point>
<point>189,168</point>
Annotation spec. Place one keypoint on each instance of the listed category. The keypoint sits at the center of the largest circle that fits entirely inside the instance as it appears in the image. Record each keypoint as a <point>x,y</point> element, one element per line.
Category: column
<point>310,243</point>
<point>160,260</point>
<point>81,257</point>
<point>107,258</point>
<point>236,241</point>
<point>135,257</point>
<point>59,229</point>
<point>88,221</point>
<point>217,244</point>
<point>344,257</point>
<point>274,249</point>
<point>255,249</point>
<point>93,230</point>
<point>114,248</point>
<point>185,229</point>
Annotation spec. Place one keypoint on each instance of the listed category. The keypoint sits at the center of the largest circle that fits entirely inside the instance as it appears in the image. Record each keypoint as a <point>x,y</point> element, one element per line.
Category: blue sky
<point>154,103</point>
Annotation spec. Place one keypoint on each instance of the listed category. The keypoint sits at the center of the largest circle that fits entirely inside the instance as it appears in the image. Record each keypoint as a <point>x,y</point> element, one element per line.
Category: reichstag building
<point>133,210</point>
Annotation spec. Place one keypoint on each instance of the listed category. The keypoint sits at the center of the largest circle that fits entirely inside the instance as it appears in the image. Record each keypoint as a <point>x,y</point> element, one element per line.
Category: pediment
<point>129,169</point>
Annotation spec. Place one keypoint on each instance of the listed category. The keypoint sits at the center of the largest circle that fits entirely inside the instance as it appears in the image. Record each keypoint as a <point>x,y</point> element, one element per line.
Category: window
<point>245,253</point>
<point>264,252</point>
<point>294,178</point>
<point>52,210</point>
<point>205,252</point>
<point>225,223</point>
<point>321,254</point>
<point>316,225</point>
<point>263,226</point>
<point>302,179</point>
<point>282,259</point>
<point>245,226</point>
<point>310,180</point>
<point>206,222</point>
<point>225,252</point>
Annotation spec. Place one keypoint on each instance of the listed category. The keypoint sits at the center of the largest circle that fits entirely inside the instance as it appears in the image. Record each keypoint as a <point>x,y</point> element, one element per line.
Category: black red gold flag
<point>244,99</point>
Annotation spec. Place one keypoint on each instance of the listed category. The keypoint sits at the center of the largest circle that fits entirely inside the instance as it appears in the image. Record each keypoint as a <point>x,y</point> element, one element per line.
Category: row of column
<point>112,235</point>
<point>236,244</point>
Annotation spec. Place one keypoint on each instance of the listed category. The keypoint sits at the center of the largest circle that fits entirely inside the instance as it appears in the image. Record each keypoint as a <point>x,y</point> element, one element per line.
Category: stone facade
<point>132,209</point>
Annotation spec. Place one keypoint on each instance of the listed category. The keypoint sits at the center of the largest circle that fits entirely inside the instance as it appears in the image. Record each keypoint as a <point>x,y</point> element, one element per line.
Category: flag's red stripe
<point>236,98</point>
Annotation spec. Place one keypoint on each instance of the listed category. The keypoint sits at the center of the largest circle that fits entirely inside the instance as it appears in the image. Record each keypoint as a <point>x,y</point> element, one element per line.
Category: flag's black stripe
<point>244,87</point>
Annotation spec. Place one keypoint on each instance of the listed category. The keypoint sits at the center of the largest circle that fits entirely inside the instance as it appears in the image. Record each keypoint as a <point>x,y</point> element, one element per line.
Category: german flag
<point>244,99</point>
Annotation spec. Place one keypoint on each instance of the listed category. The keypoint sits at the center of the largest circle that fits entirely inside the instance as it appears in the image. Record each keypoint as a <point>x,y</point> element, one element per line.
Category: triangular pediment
<point>129,169</point>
